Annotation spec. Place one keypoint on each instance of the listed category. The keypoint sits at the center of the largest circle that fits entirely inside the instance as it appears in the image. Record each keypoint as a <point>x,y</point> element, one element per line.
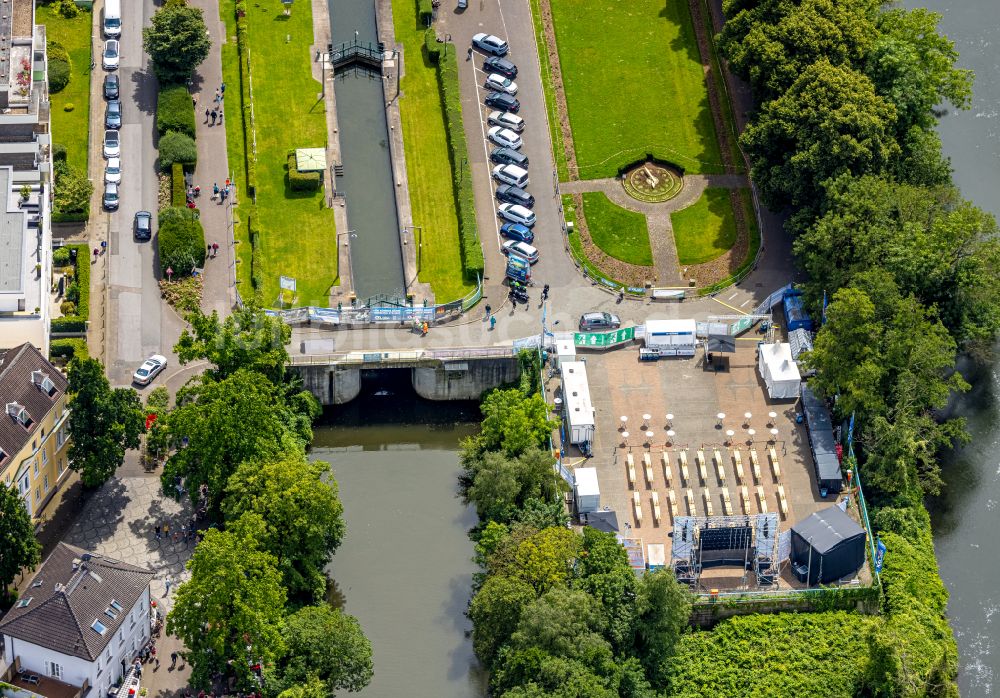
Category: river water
<point>966,516</point>
<point>405,567</point>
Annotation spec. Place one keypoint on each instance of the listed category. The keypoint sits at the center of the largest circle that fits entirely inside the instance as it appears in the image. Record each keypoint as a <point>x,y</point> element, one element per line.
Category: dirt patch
<point>628,274</point>
<point>562,110</point>
<point>726,264</point>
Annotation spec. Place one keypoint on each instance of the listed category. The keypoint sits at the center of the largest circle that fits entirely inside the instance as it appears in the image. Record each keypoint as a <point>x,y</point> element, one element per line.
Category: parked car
<point>516,231</point>
<point>110,57</point>
<point>498,83</point>
<point>517,214</point>
<point>113,171</point>
<point>514,195</point>
<point>495,64</point>
<point>143,225</point>
<point>504,137</point>
<point>113,114</point>
<point>599,321</point>
<point>501,118</point>
<point>511,174</point>
<point>112,144</point>
<point>521,249</point>
<point>111,86</point>
<point>502,100</point>
<point>490,44</point>
<point>111,196</point>
<point>463,4</point>
<point>150,368</point>
<point>509,156</point>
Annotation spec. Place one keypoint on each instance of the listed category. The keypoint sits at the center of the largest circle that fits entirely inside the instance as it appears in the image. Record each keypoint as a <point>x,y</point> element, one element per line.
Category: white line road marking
<point>731,297</point>
<point>745,302</point>
<point>486,153</point>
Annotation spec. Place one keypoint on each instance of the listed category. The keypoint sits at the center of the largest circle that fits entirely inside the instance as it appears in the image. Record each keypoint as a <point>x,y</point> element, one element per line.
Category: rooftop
<point>29,381</point>
<point>12,239</point>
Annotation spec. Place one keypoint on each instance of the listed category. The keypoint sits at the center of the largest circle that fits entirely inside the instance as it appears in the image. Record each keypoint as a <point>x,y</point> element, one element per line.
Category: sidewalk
<point>213,168</point>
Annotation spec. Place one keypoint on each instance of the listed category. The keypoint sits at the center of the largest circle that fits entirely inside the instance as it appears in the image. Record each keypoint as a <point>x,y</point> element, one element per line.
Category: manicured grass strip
<point>576,247</point>
<point>620,233</point>
<point>705,230</point>
<point>746,201</point>
<point>634,85</point>
<point>428,167</point>
<point>295,233</point>
<point>548,88</point>
<point>720,81</point>
<point>70,128</point>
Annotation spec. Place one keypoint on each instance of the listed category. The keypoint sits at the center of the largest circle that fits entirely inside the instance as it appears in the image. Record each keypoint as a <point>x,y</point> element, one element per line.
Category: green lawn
<point>70,128</point>
<point>705,230</point>
<point>297,233</point>
<point>620,233</point>
<point>428,167</point>
<point>634,85</point>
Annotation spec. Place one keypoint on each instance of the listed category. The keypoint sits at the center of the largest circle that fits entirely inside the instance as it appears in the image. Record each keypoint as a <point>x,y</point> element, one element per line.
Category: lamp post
<point>419,239</point>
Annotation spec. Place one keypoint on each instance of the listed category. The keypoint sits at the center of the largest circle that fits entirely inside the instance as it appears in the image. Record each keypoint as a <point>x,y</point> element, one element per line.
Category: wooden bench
<point>673,505</point>
<point>656,507</point>
<point>772,455</point>
<point>667,474</point>
<point>761,500</point>
<point>745,499</point>
<point>700,459</point>
<point>648,463</point>
<point>727,503</point>
<point>782,502</point>
<point>638,508</point>
<point>755,464</point>
<point>631,468</point>
<point>719,467</point>
<point>708,503</point>
<point>738,462</point>
<point>682,457</point>
<point>689,496</point>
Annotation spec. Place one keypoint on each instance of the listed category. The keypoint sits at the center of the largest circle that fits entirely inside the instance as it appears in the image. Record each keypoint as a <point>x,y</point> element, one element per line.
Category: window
<point>109,655</point>
<point>60,466</point>
<point>45,483</point>
<point>61,436</point>
<point>116,606</point>
<point>24,486</point>
<point>38,493</point>
<point>45,456</point>
<point>35,463</point>
<point>121,637</point>
<point>131,618</point>
<point>100,629</point>
<point>54,670</point>
<point>23,603</point>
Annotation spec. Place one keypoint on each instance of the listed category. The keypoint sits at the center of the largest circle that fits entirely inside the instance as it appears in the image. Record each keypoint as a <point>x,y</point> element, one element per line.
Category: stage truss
<point>749,542</point>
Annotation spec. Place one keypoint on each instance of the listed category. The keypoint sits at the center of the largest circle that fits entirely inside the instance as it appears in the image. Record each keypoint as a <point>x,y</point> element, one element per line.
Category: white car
<point>521,249</point>
<point>110,57</point>
<point>515,213</point>
<point>504,137</point>
<point>113,171</point>
<point>149,369</point>
<point>112,144</point>
<point>490,44</point>
<point>507,120</point>
<point>498,83</point>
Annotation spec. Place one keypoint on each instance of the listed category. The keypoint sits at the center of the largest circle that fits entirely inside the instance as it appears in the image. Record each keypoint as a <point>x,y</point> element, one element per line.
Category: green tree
<point>102,422</point>
<point>512,422</point>
<point>500,485</point>
<point>558,677</point>
<point>829,122</point>
<point>177,42</point>
<point>18,546</point>
<point>495,611</point>
<point>546,559</point>
<point>605,573</point>
<point>72,190</point>
<point>321,643</point>
<point>176,147</point>
<point>158,436</point>
<point>662,610</point>
<point>223,424</point>
<point>233,599</point>
<point>303,517</point>
<point>314,688</point>
<point>248,338</point>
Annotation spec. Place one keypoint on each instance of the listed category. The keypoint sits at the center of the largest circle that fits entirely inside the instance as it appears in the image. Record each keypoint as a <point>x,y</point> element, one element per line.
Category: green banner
<point>604,339</point>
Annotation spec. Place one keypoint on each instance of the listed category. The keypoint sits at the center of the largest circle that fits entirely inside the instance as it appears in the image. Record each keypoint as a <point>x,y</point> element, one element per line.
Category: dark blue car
<point>516,231</point>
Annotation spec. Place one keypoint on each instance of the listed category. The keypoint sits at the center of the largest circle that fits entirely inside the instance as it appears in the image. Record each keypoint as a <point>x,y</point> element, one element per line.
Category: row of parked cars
<point>510,165</point>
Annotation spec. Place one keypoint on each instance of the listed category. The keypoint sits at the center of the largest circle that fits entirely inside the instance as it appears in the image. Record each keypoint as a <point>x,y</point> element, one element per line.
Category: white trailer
<point>672,337</point>
<point>565,351</point>
<point>578,411</point>
<point>588,493</point>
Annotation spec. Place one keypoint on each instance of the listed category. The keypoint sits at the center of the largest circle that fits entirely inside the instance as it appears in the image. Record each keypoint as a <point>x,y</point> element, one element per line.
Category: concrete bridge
<point>437,374</point>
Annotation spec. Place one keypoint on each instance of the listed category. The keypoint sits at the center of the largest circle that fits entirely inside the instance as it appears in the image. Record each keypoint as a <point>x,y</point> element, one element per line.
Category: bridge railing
<point>403,356</point>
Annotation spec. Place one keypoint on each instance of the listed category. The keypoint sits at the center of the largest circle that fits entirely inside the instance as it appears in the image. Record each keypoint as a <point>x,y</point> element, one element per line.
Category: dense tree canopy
<point>501,486</point>
<point>512,422</point>
<point>177,41</point>
<point>18,546</point>
<point>102,422</point>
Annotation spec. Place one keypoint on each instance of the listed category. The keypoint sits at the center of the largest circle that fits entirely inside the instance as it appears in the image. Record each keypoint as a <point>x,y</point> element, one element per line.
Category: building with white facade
<point>78,625</point>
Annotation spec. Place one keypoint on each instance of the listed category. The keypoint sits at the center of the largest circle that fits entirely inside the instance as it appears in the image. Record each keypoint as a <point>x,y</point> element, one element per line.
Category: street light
<point>420,241</point>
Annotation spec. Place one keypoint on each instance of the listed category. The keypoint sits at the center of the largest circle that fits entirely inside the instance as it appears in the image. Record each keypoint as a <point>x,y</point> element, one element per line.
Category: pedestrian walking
<point>215,249</point>
<point>167,584</point>
<point>157,530</point>
<point>220,115</point>
<point>96,252</point>
<point>215,190</point>
<point>218,96</point>
<point>208,113</point>
<point>215,115</point>
<point>493,322</point>
<point>489,311</point>
<point>424,328</point>
<point>545,292</point>
<point>194,101</point>
<point>166,531</point>
<point>222,90</point>
<point>173,659</point>
<point>469,56</point>
<point>208,250</point>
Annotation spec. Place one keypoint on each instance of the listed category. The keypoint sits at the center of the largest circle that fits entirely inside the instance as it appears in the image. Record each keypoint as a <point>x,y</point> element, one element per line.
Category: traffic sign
<point>604,339</point>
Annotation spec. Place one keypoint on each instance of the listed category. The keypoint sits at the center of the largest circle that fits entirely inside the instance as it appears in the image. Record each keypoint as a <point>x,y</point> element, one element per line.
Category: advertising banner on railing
<point>604,339</point>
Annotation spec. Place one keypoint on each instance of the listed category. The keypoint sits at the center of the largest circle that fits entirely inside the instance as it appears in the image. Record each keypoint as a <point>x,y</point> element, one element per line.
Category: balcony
<point>17,683</point>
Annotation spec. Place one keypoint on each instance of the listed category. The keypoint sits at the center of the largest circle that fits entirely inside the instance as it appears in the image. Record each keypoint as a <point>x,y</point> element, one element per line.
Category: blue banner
<point>879,555</point>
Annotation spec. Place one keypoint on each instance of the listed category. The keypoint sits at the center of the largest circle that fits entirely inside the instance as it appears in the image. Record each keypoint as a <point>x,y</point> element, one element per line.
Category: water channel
<point>405,567</point>
<point>367,183</point>
<point>966,516</point>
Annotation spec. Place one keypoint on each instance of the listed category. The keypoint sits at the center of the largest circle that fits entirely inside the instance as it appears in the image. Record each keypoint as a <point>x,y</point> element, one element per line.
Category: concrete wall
<point>464,380</point>
<point>332,385</point>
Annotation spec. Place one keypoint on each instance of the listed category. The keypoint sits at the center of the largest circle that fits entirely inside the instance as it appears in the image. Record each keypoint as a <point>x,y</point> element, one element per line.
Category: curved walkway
<point>661,232</point>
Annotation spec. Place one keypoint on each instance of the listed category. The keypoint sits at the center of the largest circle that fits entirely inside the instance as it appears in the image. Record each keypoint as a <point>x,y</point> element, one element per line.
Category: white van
<point>511,174</point>
<point>113,18</point>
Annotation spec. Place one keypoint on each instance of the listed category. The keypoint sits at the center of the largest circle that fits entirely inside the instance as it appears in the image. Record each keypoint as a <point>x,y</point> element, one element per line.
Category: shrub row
<point>177,147</point>
<point>425,12</point>
<point>175,110</point>
<point>82,280</point>
<point>68,348</point>
<point>178,192</point>
<point>301,181</point>
<point>242,39</point>
<point>473,263</point>
<point>60,66</point>
<point>69,323</point>
<point>181,241</point>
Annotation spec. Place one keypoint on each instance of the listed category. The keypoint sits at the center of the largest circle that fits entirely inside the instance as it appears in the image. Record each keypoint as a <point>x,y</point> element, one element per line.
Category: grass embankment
<point>293,232</point>
<point>620,233</point>
<point>548,87</point>
<point>705,230</point>
<point>71,128</point>
<point>634,86</point>
<point>428,166</point>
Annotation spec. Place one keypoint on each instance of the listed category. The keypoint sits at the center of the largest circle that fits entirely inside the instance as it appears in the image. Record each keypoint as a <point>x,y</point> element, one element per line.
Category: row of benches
<point>720,470</point>
<point>727,504</point>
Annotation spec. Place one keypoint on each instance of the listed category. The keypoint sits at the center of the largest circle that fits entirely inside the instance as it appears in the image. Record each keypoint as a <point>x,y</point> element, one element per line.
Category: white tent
<point>778,369</point>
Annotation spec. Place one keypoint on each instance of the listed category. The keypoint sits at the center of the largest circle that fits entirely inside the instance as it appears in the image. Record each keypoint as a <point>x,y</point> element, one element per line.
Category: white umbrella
<point>670,435</point>
<point>670,420</point>
<point>624,420</point>
<point>729,435</point>
<point>771,417</point>
<point>645,420</point>
<point>750,433</point>
<point>720,417</point>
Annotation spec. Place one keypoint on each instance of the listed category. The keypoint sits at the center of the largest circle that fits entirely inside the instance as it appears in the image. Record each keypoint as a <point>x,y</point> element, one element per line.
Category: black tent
<point>605,521</point>
<point>827,546</point>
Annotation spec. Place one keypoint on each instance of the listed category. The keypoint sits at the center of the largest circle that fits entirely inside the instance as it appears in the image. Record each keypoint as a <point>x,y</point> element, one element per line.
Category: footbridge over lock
<point>436,374</point>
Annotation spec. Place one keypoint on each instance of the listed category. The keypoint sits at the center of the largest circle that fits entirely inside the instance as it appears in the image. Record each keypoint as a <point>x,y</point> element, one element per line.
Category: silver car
<point>113,171</point>
<point>150,368</point>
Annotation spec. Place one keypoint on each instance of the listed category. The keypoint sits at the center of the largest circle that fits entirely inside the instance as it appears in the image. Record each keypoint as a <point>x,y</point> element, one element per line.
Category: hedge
<point>68,348</point>
<point>69,323</point>
<point>425,12</point>
<point>473,263</point>
<point>178,192</point>
<point>301,181</point>
<point>61,257</point>
<point>242,37</point>
<point>177,147</point>
<point>59,152</point>
<point>60,66</point>
<point>432,46</point>
<point>181,245</point>
<point>83,280</point>
<point>175,110</point>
